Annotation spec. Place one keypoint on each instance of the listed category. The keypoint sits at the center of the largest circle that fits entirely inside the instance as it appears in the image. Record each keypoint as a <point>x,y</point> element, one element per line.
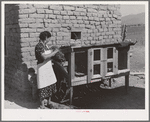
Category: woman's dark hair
<point>31,70</point>
<point>44,34</point>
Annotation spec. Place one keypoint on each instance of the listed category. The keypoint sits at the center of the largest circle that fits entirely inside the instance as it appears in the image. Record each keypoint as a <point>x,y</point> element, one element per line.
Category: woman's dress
<point>46,79</point>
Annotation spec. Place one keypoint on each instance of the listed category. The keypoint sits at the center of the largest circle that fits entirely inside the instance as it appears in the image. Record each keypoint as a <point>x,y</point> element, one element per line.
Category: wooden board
<point>115,61</point>
<point>137,73</point>
<point>89,65</point>
<point>71,73</point>
<point>128,60</point>
<point>103,62</point>
<point>71,67</point>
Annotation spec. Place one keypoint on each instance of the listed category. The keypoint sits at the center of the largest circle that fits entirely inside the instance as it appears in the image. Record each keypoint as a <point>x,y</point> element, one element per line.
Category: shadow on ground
<point>100,99</point>
<point>113,99</point>
<point>23,100</point>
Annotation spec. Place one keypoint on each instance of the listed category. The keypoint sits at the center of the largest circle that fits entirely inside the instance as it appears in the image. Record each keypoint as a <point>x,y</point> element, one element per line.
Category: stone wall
<point>98,24</point>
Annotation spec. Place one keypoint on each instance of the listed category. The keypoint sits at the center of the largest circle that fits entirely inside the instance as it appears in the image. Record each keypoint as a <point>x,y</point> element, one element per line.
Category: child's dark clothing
<point>33,83</point>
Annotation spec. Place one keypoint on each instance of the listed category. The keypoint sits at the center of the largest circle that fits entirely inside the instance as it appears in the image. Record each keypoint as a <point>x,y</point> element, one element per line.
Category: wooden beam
<point>115,61</point>
<point>119,74</point>
<point>71,73</point>
<point>103,62</point>
<point>71,94</point>
<point>128,59</point>
<point>71,66</point>
<point>137,73</point>
<point>110,60</point>
<point>109,82</point>
<point>96,62</point>
<point>89,65</point>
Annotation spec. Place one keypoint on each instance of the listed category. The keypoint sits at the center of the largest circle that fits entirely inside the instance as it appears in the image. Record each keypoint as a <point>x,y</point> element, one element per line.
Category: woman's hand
<point>50,55</point>
<point>56,50</point>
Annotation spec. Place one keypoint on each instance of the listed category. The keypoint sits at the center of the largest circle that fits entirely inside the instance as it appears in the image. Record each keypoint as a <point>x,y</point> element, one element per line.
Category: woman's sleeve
<point>38,50</point>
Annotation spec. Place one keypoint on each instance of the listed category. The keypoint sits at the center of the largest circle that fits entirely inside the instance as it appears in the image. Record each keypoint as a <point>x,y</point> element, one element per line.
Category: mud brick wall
<point>98,24</point>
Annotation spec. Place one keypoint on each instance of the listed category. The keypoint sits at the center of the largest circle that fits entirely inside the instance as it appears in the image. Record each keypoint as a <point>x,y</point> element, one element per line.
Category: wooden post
<point>127,83</point>
<point>71,73</point>
<point>103,62</point>
<point>128,59</point>
<point>71,94</point>
<point>115,60</point>
<point>89,65</point>
<point>109,82</point>
<point>72,65</point>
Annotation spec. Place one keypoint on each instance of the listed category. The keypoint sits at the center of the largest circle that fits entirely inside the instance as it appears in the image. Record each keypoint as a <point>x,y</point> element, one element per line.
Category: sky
<point>131,9</point>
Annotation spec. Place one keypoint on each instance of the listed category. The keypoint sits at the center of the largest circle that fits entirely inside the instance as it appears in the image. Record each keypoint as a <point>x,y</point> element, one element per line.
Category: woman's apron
<point>45,73</point>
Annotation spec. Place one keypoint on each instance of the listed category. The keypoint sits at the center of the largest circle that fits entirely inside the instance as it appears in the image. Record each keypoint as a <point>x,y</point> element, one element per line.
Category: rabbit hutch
<point>87,64</point>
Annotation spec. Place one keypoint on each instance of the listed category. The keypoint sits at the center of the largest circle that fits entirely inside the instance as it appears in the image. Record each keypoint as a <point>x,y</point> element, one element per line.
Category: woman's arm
<point>48,56</point>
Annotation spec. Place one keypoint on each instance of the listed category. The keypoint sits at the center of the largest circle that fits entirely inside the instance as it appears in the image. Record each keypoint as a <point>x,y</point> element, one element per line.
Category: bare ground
<point>114,98</point>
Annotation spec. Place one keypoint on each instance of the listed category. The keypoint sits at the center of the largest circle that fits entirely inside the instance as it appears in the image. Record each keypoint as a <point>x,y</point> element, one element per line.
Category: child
<point>33,82</point>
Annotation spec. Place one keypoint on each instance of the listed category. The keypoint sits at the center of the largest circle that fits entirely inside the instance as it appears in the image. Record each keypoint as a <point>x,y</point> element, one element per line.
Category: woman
<point>46,80</point>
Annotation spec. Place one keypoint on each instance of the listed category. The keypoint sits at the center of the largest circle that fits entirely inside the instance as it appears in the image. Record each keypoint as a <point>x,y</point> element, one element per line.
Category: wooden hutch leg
<point>128,67</point>
<point>109,82</point>
<point>71,73</point>
<point>127,83</point>
<point>71,94</point>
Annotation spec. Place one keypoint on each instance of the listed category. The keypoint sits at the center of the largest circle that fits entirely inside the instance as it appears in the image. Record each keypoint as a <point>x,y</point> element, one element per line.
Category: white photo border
<point>75,115</point>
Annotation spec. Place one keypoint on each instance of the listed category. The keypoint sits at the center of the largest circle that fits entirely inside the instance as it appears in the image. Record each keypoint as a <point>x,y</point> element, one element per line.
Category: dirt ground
<point>101,98</point>
<point>114,98</point>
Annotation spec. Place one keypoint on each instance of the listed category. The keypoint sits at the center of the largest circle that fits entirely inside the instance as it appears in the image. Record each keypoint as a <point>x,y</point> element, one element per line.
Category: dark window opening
<point>97,55</point>
<point>81,63</point>
<point>110,67</point>
<point>97,69</point>
<point>110,53</point>
<point>75,35</point>
<point>122,60</point>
